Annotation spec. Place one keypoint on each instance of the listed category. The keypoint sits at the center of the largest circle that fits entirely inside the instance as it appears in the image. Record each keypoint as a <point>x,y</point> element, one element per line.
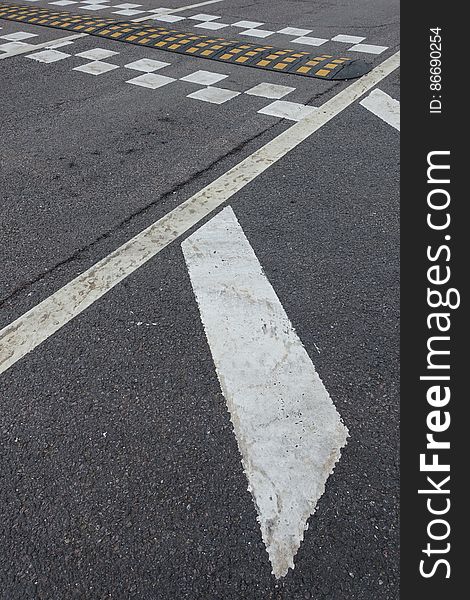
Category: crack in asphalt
<point>124,222</point>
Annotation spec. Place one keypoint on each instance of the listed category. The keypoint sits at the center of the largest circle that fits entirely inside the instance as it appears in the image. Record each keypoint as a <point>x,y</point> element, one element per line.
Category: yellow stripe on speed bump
<point>269,58</point>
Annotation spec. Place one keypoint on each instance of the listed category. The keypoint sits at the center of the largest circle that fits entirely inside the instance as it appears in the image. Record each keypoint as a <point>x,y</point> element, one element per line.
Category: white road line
<point>190,6</point>
<point>180,9</point>
<point>43,320</point>
<point>288,431</point>
<point>383,106</point>
<point>49,44</point>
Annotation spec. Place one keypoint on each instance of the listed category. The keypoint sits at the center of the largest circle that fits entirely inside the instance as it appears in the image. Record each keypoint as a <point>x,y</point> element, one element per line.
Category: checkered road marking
<point>323,66</point>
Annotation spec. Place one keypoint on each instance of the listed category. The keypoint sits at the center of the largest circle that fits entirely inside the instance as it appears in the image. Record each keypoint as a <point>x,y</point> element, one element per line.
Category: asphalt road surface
<point>146,421</point>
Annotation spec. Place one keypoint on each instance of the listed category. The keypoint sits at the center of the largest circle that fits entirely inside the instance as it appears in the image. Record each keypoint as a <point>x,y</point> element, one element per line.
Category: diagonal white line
<point>49,44</point>
<point>288,431</point>
<point>42,321</point>
<point>383,106</point>
<point>180,9</point>
<point>197,5</point>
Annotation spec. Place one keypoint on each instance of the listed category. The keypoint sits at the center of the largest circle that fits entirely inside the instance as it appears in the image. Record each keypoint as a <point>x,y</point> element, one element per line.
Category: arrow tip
<point>284,508</point>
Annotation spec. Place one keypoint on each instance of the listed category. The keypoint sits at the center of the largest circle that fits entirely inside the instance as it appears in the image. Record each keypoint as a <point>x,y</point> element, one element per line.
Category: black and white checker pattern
<point>210,22</point>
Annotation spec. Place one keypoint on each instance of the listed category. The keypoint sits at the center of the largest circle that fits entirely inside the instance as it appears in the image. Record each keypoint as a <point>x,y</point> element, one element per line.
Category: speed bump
<point>322,66</point>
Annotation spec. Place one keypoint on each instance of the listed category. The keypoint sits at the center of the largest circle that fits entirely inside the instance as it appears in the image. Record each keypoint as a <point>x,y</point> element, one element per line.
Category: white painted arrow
<point>383,106</point>
<point>288,431</point>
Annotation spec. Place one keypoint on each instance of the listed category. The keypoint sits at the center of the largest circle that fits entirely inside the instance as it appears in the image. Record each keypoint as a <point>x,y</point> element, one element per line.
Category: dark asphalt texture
<point>119,471</point>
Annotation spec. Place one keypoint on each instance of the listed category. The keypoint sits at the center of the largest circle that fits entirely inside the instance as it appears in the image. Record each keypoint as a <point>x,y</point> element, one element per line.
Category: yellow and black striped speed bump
<point>323,66</point>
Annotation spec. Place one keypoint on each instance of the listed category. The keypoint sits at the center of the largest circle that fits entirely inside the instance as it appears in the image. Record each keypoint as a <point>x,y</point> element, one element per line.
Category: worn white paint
<point>383,106</point>
<point>247,24</point>
<point>214,95</point>
<point>295,31</point>
<point>151,80</point>
<point>348,39</point>
<point>212,25</point>
<point>18,36</point>
<point>43,320</point>
<point>48,56</point>
<point>158,11</point>
<point>94,7</point>
<point>10,48</point>
<point>96,68</point>
<point>288,431</point>
<point>128,12</point>
<point>282,109</point>
<point>204,77</point>
<point>272,91</point>
<point>167,18</point>
<point>180,9</point>
<point>309,41</point>
<point>146,65</point>
<point>23,48</point>
<point>196,5</point>
<point>205,18</point>
<point>259,33</point>
<point>59,44</point>
<point>368,48</point>
<point>97,54</point>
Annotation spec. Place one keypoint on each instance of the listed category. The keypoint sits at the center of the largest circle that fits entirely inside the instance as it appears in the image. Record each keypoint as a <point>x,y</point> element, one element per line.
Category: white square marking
<point>309,41</point>
<point>127,5</point>
<point>260,33</point>
<point>94,7</point>
<point>18,36</point>
<point>294,31</point>
<point>214,95</point>
<point>128,12</point>
<point>151,81</point>
<point>48,56</point>
<point>159,10</point>
<point>204,77</point>
<point>212,25</point>
<point>270,90</point>
<point>348,39</point>
<point>13,46</point>
<point>204,17</point>
<point>147,65</point>
<point>96,54</point>
<point>96,68</point>
<point>369,48</point>
<point>168,18</point>
<point>247,24</point>
<point>287,110</point>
